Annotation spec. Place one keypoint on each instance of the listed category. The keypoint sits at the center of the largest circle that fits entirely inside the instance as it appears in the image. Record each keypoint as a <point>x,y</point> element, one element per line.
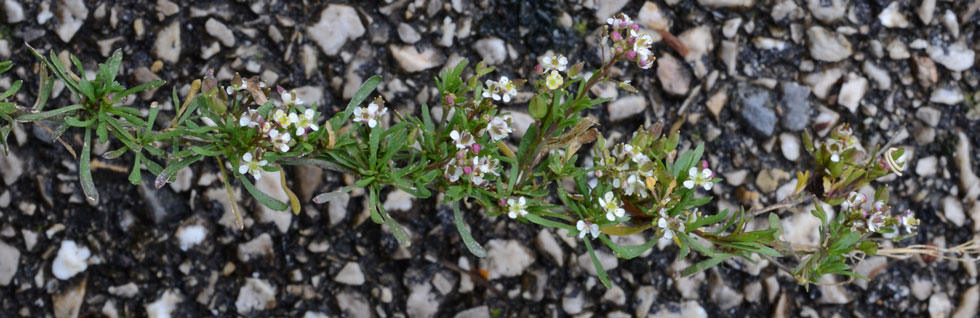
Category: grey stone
<point>795,102</point>
<point>755,109</point>
<point>338,24</point>
<point>9,261</point>
<point>220,31</point>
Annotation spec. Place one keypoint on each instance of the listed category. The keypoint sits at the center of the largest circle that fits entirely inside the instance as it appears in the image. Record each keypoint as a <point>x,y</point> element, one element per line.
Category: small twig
<point>473,275</point>
<point>781,205</point>
<point>99,164</point>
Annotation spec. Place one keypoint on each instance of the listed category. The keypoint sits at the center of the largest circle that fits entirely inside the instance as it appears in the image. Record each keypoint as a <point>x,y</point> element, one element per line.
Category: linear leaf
<point>471,244</point>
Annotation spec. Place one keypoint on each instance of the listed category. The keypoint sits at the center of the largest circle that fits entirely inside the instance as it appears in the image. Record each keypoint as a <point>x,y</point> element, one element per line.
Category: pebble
<point>801,228</point>
<point>729,55</point>
<point>723,295</point>
<point>338,24</point>
<point>921,288</point>
<point>165,305</point>
<point>255,295</point>
<point>688,309</point>
<point>951,24</point>
<point>448,32</point>
<point>698,41</point>
<point>353,304</point>
<point>827,46</point>
<point>475,312</point>
<point>755,110</point>
<point>949,95</point>
<point>167,8</point>
<point>167,45</point>
<point>128,290</point>
<point>191,235</point>
<point>969,182</point>
<point>547,243</point>
<point>926,71</point>
<point>852,92</point>
<point>882,80</point>
<point>270,185</point>
<point>398,200</point>
<point>940,306</point>
<point>258,247</point>
<point>9,261</point>
<point>606,8</point>
<point>626,107</point>
<point>790,145</point>
<point>753,292</point>
<point>12,167</point>
<point>717,102</point>
<point>408,34</point>
<point>968,303</point>
<point>422,303</point>
<point>351,274</point>
<point>926,166</point>
<point>827,12</point>
<point>731,27</point>
<point>823,81</point>
<point>492,50</point>
<point>975,215</point>
<point>892,16</point>
<point>955,57</point>
<point>608,261</point>
<point>674,76</point>
<point>926,10</point>
<point>68,302</point>
<point>831,292</point>
<point>412,60</point>
<point>70,261</point>
<point>507,258</point>
<point>953,210</point>
<point>220,31</point>
<point>14,11</point>
<point>929,115</point>
<point>651,17</point>
<point>897,50</point>
<point>795,104</point>
<point>71,16</point>
<point>726,3</point>
<point>30,238</point>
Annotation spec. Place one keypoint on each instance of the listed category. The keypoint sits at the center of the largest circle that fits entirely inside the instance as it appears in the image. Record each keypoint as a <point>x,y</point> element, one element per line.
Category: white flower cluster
<point>627,168</point>
<point>467,162</point>
<point>629,41</point>
<point>877,218</point>
<point>841,140</point>
<point>553,66</point>
<point>279,131</point>
<point>669,225</point>
<point>504,89</point>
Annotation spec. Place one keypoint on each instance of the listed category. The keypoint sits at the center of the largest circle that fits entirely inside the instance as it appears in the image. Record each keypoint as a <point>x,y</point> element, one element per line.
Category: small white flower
<point>453,171</point>
<point>503,89</point>
<point>634,184</point>
<point>664,224</point>
<point>307,120</point>
<point>554,80</point>
<point>280,140</point>
<point>908,220</point>
<point>517,207</point>
<point>289,98</point>
<point>235,86</point>
<point>702,179</point>
<point>369,115</point>
<point>249,119</point>
<point>283,119</point>
<point>499,127</point>
<point>250,166</point>
<point>587,228</point>
<point>609,204</point>
<point>854,200</point>
<point>876,221</point>
<point>462,140</point>
<point>620,21</point>
<point>552,62</point>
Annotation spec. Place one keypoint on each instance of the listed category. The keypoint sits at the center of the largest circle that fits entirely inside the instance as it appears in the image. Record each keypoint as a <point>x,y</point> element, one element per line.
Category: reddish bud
<point>476,148</point>
<point>538,69</point>
<point>616,36</point>
<point>631,54</point>
<point>467,169</point>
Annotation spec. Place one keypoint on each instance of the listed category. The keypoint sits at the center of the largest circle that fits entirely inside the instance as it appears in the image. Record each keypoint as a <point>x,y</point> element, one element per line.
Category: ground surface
<point>755,77</point>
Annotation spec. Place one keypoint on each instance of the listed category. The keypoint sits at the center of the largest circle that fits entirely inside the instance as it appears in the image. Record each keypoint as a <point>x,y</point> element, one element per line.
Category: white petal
<point>580,225</point>
<point>372,123</point>
<point>595,230</point>
<point>263,163</point>
<point>244,121</point>
<point>610,216</point>
<point>454,135</point>
<point>662,223</point>
<point>581,234</point>
<point>692,172</point>
<point>689,184</point>
<point>708,185</point>
<point>242,169</point>
<point>257,175</point>
<point>668,234</point>
<point>512,215</point>
<point>247,157</point>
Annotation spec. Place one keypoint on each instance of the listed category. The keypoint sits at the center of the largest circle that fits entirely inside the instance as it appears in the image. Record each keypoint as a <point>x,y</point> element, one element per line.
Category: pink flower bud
<point>616,36</point>
<point>619,49</point>
<point>704,164</point>
<point>502,202</point>
<point>631,54</point>
<point>643,63</point>
<point>459,155</point>
<point>538,69</point>
<point>467,169</point>
<point>631,40</point>
<point>635,27</point>
<point>476,148</point>
<point>450,99</point>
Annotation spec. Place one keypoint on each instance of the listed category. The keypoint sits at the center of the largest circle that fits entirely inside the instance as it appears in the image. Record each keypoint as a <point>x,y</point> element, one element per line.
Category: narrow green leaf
<point>600,271</point>
<point>49,114</point>
<point>705,264</point>
<point>263,198</point>
<point>396,229</point>
<point>84,171</point>
<point>549,223</point>
<point>627,251</point>
<point>137,89</point>
<point>330,196</point>
<point>136,175</point>
<point>362,93</point>
<point>471,244</point>
<point>12,90</point>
